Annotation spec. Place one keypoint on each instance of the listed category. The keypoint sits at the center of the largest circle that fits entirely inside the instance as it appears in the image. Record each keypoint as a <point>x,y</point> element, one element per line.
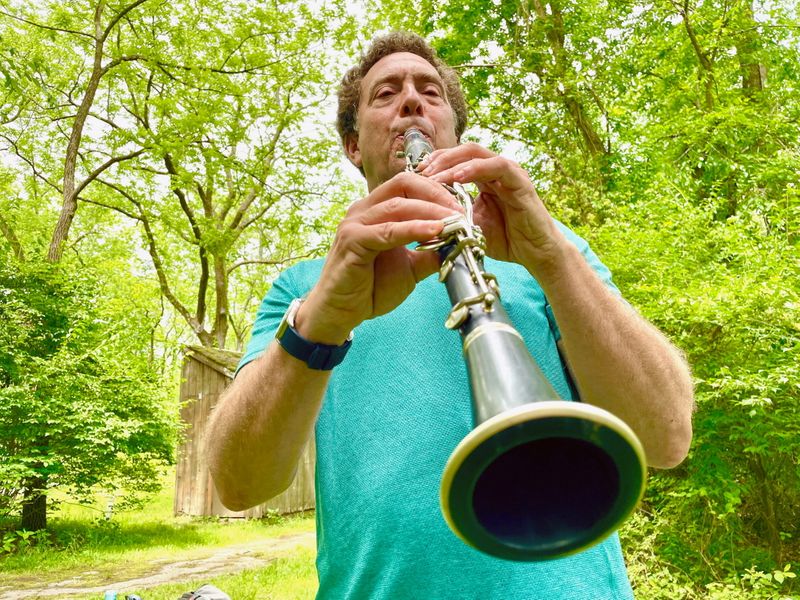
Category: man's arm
<point>261,423</point>
<point>620,362</point>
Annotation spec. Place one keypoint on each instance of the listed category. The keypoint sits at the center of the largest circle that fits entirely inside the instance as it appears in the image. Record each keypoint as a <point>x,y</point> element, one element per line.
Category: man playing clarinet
<point>351,349</point>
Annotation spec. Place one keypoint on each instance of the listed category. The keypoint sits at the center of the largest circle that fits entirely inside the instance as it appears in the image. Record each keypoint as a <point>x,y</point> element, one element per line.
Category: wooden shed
<point>206,372</point>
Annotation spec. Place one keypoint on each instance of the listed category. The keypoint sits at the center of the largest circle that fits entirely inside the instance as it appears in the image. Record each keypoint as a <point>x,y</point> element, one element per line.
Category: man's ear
<point>352,150</point>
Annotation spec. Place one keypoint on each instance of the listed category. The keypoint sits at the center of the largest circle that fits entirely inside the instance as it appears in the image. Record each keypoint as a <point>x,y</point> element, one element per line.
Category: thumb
<point>424,263</point>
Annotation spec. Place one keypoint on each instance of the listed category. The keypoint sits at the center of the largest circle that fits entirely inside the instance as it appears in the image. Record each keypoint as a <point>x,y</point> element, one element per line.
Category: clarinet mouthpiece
<point>417,146</point>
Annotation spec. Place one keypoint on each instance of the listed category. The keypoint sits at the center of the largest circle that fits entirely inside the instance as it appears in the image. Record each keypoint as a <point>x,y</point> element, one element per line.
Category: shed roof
<point>222,361</point>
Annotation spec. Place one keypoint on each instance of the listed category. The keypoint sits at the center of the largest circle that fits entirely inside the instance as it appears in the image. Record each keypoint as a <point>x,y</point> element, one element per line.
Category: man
<point>389,415</point>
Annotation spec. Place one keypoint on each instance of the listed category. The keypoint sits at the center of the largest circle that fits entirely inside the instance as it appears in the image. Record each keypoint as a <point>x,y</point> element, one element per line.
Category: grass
<point>134,543</point>
<point>293,577</point>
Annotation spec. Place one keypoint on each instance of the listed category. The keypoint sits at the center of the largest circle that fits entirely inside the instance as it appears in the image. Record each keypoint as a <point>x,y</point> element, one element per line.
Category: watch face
<point>288,317</point>
<point>292,311</point>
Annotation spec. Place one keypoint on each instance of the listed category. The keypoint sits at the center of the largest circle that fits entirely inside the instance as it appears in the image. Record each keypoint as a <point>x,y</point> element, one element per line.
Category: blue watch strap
<point>321,357</point>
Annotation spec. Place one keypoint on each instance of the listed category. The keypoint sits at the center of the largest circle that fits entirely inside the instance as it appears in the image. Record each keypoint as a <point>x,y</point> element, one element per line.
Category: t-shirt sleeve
<point>269,316</point>
<point>597,266</point>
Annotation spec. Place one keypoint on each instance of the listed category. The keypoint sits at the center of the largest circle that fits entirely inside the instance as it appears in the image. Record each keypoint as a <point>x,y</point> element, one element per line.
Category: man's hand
<point>620,361</point>
<point>508,210</point>
<point>368,271</point>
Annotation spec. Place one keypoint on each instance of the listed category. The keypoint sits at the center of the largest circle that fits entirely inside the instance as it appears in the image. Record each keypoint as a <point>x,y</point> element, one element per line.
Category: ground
<point>226,560</point>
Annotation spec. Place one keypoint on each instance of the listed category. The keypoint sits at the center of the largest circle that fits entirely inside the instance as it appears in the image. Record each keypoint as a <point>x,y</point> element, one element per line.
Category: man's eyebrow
<point>397,76</point>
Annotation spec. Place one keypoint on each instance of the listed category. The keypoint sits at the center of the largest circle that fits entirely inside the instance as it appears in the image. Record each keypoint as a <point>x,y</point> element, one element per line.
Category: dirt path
<point>230,559</point>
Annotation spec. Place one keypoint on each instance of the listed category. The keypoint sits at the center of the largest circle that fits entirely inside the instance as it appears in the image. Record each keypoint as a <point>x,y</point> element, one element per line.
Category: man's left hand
<point>508,210</point>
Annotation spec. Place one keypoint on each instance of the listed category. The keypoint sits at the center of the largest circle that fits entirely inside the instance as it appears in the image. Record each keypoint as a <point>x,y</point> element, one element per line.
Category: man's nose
<point>412,102</point>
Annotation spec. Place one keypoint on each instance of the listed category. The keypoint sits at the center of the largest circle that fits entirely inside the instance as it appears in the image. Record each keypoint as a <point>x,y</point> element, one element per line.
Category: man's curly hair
<point>398,41</point>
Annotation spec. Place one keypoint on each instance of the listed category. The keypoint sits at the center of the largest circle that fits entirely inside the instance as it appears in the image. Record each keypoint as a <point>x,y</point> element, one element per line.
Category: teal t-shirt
<point>393,412</point>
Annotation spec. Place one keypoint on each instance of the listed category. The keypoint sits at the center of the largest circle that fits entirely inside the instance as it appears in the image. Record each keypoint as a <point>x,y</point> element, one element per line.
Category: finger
<point>424,264</point>
<point>389,265</point>
<point>487,214</point>
<point>410,185</point>
<point>497,172</point>
<point>447,158</point>
<point>405,209</point>
<point>386,236</point>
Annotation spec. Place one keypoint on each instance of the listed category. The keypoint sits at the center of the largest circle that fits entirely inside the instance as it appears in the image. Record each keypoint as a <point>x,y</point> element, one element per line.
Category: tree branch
<point>152,248</point>
<point>118,209</point>
<point>107,121</point>
<point>70,205</point>
<point>202,286</point>
<point>111,161</point>
<point>48,27</point>
<point>30,163</point>
<point>701,55</point>
<point>119,15</point>
<point>245,224</point>
<point>268,162</point>
<point>479,66</point>
<point>193,321</point>
<point>12,238</point>
<point>280,261</point>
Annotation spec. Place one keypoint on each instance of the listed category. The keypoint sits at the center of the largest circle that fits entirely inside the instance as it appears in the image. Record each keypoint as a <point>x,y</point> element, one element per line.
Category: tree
<point>188,120</point>
<point>75,413</point>
<point>226,139</point>
<point>43,49</point>
<point>202,128</point>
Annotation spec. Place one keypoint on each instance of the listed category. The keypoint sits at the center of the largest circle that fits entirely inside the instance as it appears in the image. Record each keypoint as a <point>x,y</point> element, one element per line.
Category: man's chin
<point>395,167</point>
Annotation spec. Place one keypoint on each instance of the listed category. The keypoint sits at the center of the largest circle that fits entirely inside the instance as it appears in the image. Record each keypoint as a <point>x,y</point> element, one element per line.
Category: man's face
<point>401,90</point>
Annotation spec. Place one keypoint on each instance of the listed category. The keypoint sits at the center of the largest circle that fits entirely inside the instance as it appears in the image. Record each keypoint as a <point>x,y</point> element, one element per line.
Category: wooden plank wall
<point>195,493</point>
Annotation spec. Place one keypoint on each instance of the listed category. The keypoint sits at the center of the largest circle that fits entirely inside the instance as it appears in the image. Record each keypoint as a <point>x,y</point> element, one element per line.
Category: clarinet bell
<point>543,480</point>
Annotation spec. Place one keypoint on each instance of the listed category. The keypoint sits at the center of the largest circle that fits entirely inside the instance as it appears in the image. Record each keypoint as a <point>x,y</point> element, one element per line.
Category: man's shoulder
<point>304,272</point>
<point>573,237</point>
<point>308,265</point>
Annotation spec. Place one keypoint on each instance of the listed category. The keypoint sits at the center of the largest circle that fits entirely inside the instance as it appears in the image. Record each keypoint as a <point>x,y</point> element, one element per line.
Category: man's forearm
<point>620,362</point>
<point>258,429</point>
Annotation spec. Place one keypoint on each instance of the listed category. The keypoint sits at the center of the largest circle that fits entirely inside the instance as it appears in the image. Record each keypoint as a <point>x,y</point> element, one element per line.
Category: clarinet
<point>537,477</point>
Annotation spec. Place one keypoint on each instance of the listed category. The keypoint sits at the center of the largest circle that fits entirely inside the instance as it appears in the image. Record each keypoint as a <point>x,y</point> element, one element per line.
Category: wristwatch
<point>322,357</point>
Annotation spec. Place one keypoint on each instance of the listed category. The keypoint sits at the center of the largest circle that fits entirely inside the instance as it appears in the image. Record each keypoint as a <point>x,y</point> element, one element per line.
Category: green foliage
<point>726,293</point>
<point>654,577</point>
<point>202,132</point>
<point>75,414</point>
<point>21,539</point>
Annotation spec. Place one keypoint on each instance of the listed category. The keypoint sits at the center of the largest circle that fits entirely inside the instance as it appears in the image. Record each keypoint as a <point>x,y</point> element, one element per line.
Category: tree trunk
<point>70,197</point>
<point>706,73</point>
<point>34,504</point>
<point>754,74</point>
<point>220,330</point>
<point>593,142</point>
<point>8,233</point>
<point>561,75</point>
<point>768,512</point>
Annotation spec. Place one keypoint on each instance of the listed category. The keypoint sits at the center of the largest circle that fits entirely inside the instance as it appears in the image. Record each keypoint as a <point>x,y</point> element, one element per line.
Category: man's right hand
<point>369,271</point>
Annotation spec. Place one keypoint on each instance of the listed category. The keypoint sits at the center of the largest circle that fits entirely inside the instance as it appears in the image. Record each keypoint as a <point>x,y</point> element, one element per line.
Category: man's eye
<point>384,93</point>
<point>432,92</point>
